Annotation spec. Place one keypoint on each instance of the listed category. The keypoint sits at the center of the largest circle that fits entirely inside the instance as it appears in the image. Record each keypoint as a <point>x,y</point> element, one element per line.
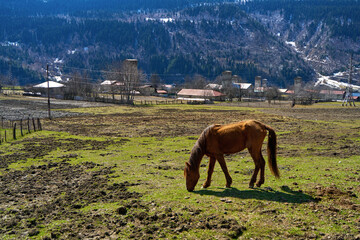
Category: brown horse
<point>217,140</point>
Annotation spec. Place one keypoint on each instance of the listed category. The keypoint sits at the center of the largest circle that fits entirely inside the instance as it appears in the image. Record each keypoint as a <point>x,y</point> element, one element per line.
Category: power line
<point>164,75</point>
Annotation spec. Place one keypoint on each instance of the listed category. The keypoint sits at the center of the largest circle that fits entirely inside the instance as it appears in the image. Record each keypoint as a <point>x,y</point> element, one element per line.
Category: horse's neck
<point>199,149</point>
<point>196,156</point>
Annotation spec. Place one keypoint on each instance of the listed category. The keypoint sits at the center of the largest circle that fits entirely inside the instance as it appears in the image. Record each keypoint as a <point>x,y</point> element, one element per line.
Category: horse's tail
<point>271,150</point>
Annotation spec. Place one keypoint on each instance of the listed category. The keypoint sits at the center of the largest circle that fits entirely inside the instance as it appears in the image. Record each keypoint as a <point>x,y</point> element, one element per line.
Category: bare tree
<point>196,82</point>
<point>131,78</point>
<point>272,93</point>
<point>114,77</point>
<point>2,81</point>
<point>78,85</point>
<point>311,93</point>
<point>155,81</point>
<point>188,82</point>
<point>126,78</point>
<point>228,88</point>
<point>199,82</point>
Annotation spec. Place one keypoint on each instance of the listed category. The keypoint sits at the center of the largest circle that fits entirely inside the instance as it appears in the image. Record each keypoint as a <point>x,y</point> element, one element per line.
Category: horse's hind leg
<point>253,177</point>
<point>262,171</point>
<point>259,165</point>
<point>210,172</point>
<point>222,163</point>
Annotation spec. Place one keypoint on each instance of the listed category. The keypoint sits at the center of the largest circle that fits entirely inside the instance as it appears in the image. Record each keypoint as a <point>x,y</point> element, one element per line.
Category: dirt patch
<point>22,108</point>
<point>341,200</point>
<point>55,192</point>
<point>325,114</point>
<point>38,148</point>
<point>159,224</point>
<point>332,192</point>
<point>59,192</point>
<point>160,123</point>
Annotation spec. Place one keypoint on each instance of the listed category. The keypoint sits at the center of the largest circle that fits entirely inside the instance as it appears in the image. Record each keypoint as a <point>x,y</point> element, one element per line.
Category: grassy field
<point>117,173</point>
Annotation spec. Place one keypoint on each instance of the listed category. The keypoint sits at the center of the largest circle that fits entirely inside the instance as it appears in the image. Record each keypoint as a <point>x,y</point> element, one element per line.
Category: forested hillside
<point>176,39</point>
<point>49,7</point>
<point>324,33</point>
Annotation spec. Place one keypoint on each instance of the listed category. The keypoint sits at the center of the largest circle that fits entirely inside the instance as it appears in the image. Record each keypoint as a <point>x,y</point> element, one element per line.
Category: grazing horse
<point>217,140</point>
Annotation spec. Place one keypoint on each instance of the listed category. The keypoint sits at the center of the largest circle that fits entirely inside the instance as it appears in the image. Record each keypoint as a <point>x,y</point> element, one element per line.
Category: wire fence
<point>13,129</point>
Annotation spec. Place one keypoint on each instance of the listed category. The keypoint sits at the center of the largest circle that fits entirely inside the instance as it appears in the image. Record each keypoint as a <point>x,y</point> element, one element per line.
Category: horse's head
<point>192,177</point>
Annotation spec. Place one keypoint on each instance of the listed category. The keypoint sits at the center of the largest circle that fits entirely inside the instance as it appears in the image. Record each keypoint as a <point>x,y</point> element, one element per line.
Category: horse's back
<point>235,137</point>
<point>256,133</point>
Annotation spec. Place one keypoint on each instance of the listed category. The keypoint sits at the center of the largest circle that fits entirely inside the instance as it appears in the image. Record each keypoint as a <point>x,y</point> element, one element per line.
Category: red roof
<point>200,93</point>
<point>161,91</point>
<point>335,92</point>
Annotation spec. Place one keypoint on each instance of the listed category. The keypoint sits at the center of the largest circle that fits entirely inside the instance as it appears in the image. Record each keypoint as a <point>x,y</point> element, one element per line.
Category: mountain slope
<point>274,39</point>
<point>323,33</point>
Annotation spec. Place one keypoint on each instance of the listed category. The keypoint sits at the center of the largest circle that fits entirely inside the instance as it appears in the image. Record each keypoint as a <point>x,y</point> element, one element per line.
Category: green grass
<point>7,135</point>
<point>282,208</point>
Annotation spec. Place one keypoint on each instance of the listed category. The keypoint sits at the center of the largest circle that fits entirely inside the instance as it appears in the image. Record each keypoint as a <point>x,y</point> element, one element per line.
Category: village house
<point>200,95</point>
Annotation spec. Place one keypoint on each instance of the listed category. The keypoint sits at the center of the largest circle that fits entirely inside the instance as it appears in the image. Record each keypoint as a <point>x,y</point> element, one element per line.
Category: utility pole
<point>10,83</point>
<point>348,92</point>
<point>48,89</point>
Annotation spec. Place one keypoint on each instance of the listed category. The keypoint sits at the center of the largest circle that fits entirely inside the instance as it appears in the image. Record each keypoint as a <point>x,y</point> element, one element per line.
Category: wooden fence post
<point>14,131</point>
<point>28,125</point>
<point>39,124</point>
<point>33,121</point>
<point>21,128</point>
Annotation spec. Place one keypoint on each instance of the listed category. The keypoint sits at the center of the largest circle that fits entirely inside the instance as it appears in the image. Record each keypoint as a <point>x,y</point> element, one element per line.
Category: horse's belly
<point>228,146</point>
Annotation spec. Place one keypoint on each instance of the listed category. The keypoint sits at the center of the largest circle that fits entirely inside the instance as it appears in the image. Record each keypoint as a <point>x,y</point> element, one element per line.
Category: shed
<point>332,94</point>
<point>50,84</point>
<point>108,82</point>
<point>44,88</point>
<point>201,93</point>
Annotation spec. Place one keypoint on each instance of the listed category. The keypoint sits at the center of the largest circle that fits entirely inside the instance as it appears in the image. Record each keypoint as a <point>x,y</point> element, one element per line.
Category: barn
<point>201,94</point>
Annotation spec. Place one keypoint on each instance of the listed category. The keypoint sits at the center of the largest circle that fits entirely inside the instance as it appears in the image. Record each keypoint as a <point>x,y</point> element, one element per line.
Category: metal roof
<point>51,84</point>
<point>200,93</point>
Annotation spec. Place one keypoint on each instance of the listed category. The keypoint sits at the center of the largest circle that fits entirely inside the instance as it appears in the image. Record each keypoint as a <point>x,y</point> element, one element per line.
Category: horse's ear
<point>187,164</point>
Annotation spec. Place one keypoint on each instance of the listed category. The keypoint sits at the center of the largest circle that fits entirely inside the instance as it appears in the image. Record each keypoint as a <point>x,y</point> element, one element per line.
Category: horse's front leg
<point>222,163</point>
<point>210,172</point>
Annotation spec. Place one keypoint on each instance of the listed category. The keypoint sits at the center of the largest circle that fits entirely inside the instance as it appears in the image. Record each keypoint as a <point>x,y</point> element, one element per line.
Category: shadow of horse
<point>288,196</point>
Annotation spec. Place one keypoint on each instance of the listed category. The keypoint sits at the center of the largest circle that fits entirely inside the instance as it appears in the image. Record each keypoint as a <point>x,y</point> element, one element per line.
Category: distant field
<point>116,172</point>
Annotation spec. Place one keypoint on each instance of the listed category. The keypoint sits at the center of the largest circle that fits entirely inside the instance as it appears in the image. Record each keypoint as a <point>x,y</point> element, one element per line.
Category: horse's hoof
<point>228,185</point>
<point>205,186</point>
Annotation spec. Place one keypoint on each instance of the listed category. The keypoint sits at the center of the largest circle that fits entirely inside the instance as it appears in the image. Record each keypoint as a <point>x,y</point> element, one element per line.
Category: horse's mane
<point>199,149</point>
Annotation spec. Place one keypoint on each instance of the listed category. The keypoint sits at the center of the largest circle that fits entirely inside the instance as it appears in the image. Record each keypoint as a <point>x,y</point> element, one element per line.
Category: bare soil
<point>15,108</point>
<point>35,197</point>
